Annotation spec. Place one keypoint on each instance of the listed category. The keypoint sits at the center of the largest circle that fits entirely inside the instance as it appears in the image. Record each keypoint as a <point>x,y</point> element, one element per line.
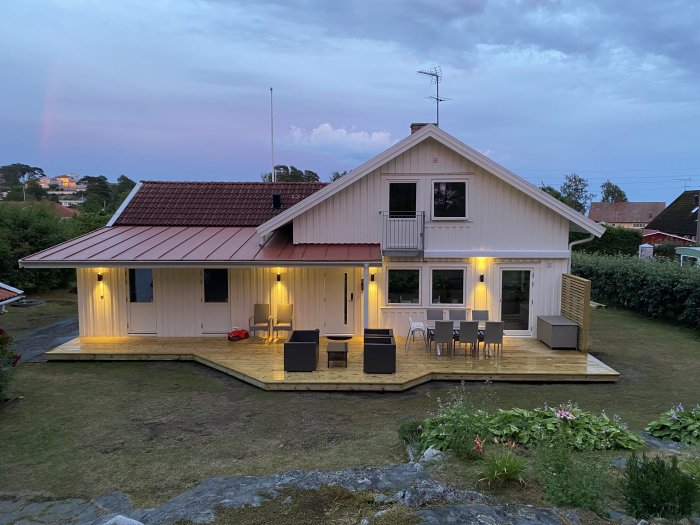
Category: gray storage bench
<point>556,331</point>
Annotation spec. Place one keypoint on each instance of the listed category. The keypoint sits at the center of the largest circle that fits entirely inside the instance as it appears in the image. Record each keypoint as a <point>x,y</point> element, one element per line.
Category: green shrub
<point>654,488</point>
<point>502,466</point>
<point>8,360</point>
<point>614,241</point>
<point>578,428</point>
<point>678,424</point>
<point>410,430</point>
<point>572,479</point>
<point>691,467</point>
<point>659,288</point>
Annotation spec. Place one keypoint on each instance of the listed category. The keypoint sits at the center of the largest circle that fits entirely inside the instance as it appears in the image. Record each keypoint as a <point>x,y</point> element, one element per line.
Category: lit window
<point>449,200</point>
<point>215,285</point>
<point>404,286</point>
<point>448,286</point>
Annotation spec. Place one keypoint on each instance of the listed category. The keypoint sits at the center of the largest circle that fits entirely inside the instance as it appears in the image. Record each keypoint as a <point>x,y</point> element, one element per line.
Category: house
<point>429,222</point>
<point>9,294</point>
<point>656,237</point>
<point>632,215</point>
<point>680,218</point>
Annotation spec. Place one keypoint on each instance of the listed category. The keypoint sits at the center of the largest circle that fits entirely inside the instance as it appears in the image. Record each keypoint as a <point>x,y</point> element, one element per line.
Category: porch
<point>259,361</point>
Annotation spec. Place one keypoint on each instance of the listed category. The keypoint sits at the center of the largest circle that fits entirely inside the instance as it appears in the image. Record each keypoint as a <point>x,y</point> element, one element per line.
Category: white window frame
<point>433,182</point>
<point>463,269</point>
<point>420,287</point>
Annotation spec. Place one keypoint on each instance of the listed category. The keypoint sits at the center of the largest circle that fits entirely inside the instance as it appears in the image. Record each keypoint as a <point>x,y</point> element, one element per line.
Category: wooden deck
<point>260,362</point>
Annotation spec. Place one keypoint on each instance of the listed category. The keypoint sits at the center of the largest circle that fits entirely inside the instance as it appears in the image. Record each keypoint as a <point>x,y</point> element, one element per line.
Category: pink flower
<point>564,413</point>
<point>478,445</point>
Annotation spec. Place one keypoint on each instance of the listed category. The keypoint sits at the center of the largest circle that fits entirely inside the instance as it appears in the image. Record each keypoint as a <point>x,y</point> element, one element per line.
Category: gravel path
<point>32,345</point>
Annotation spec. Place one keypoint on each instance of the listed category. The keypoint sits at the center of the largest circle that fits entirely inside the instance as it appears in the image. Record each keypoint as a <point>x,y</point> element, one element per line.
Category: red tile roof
<point>8,292</point>
<point>194,245</point>
<point>211,203</point>
<point>625,212</point>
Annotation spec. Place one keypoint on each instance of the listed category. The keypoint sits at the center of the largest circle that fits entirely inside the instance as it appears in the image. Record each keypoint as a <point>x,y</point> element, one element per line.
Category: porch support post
<point>365,296</point>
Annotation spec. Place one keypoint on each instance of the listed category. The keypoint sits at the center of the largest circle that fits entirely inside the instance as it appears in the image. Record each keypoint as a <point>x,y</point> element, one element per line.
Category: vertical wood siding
<point>500,217</point>
<point>102,305</point>
<point>178,296</point>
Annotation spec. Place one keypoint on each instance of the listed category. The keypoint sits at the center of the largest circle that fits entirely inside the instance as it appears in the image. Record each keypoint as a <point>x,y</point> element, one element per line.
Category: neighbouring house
<point>9,294</point>
<point>679,218</point>
<point>657,237</point>
<point>631,215</point>
<point>429,222</point>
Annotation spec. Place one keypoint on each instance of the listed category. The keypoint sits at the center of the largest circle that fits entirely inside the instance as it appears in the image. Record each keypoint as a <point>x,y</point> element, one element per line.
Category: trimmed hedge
<point>657,288</point>
<point>614,241</point>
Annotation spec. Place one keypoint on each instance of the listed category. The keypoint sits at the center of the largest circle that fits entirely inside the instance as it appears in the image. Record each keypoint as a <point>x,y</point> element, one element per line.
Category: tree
<point>573,192</point>
<point>558,195</point>
<point>98,194</point>
<point>291,174</point>
<point>611,192</point>
<point>16,174</point>
<point>337,174</point>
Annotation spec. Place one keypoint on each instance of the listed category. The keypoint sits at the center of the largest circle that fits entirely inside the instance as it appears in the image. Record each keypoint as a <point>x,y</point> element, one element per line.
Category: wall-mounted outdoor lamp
<point>279,277</point>
<point>100,277</point>
<point>371,277</point>
<point>362,285</point>
<point>481,278</point>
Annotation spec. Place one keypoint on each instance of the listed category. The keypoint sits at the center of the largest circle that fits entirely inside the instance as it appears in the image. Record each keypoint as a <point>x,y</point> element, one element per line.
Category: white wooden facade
<point>509,225</point>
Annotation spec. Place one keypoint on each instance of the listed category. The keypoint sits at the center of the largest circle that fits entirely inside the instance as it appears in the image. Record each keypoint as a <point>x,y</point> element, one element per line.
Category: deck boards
<point>260,362</point>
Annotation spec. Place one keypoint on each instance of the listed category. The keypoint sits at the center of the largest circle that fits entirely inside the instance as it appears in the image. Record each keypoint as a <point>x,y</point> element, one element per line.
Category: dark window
<point>402,199</point>
<point>141,285</point>
<point>448,286</point>
<point>216,286</point>
<point>450,200</point>
<point>404,286</point>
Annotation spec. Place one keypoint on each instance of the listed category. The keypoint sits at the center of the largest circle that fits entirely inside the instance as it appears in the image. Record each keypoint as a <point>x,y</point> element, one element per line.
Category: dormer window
<point>449,200</point>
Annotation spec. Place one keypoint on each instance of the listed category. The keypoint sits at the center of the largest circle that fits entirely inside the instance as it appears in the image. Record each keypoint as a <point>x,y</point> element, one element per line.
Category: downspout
<point>365,296</point>
<point>574,243</point>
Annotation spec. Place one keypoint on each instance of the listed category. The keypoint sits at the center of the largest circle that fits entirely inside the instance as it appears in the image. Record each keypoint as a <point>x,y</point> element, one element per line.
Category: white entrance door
<point>142,306</point>
<point>216,307</point>
<point>516,301</point>
<point>340,301</point>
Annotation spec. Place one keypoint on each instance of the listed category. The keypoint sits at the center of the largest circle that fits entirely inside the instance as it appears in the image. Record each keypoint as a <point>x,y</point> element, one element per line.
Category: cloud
<point>341,139</point>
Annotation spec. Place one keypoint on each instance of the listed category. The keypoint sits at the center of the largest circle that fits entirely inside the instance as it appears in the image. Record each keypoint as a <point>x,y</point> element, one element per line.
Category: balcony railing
<point>403,233</point>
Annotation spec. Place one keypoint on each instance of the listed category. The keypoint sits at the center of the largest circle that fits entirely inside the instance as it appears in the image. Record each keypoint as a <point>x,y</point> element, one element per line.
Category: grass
<point>60,304</point>
<point>153,430</point>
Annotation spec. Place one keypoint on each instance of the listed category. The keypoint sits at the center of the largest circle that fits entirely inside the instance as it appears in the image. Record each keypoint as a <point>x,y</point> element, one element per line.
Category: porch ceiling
<point>194,246</point>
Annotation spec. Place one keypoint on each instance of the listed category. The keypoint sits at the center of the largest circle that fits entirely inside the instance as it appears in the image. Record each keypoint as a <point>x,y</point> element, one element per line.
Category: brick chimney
<point>417,125</point>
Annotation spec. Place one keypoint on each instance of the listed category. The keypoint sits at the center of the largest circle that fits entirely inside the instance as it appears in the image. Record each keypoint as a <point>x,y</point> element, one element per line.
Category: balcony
<point>403,233</point>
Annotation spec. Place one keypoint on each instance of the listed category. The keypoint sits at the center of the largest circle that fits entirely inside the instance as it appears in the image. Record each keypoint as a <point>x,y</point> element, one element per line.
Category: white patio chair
<point>415,326</point>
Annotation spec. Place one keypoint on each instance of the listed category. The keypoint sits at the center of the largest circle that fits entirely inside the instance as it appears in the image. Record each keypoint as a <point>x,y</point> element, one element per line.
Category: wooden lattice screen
<point>576,305</point>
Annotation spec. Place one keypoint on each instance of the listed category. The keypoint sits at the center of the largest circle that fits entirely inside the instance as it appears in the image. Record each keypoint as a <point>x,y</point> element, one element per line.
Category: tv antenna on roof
<point>435,74</point>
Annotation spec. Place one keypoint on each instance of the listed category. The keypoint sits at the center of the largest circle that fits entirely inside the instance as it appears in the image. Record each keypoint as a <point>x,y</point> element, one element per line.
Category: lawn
<point>155,429</point>
<point>59,305</point>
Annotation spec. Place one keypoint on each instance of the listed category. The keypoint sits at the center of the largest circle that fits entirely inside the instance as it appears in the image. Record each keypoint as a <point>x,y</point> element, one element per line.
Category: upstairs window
<point>403,287</point>
<point>449,200</point>
<point>402,199</point>
<point>215,285</point>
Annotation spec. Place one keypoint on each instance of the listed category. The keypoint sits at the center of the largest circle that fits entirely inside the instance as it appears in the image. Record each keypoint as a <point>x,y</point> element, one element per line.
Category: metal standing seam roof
<point>196,245</point>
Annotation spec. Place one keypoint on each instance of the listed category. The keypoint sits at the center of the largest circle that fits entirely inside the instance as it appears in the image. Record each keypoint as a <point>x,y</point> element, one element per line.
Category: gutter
<point>574,243</point>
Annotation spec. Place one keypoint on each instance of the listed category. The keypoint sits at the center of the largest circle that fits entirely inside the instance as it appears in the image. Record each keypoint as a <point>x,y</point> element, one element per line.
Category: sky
<point>180,89</point>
